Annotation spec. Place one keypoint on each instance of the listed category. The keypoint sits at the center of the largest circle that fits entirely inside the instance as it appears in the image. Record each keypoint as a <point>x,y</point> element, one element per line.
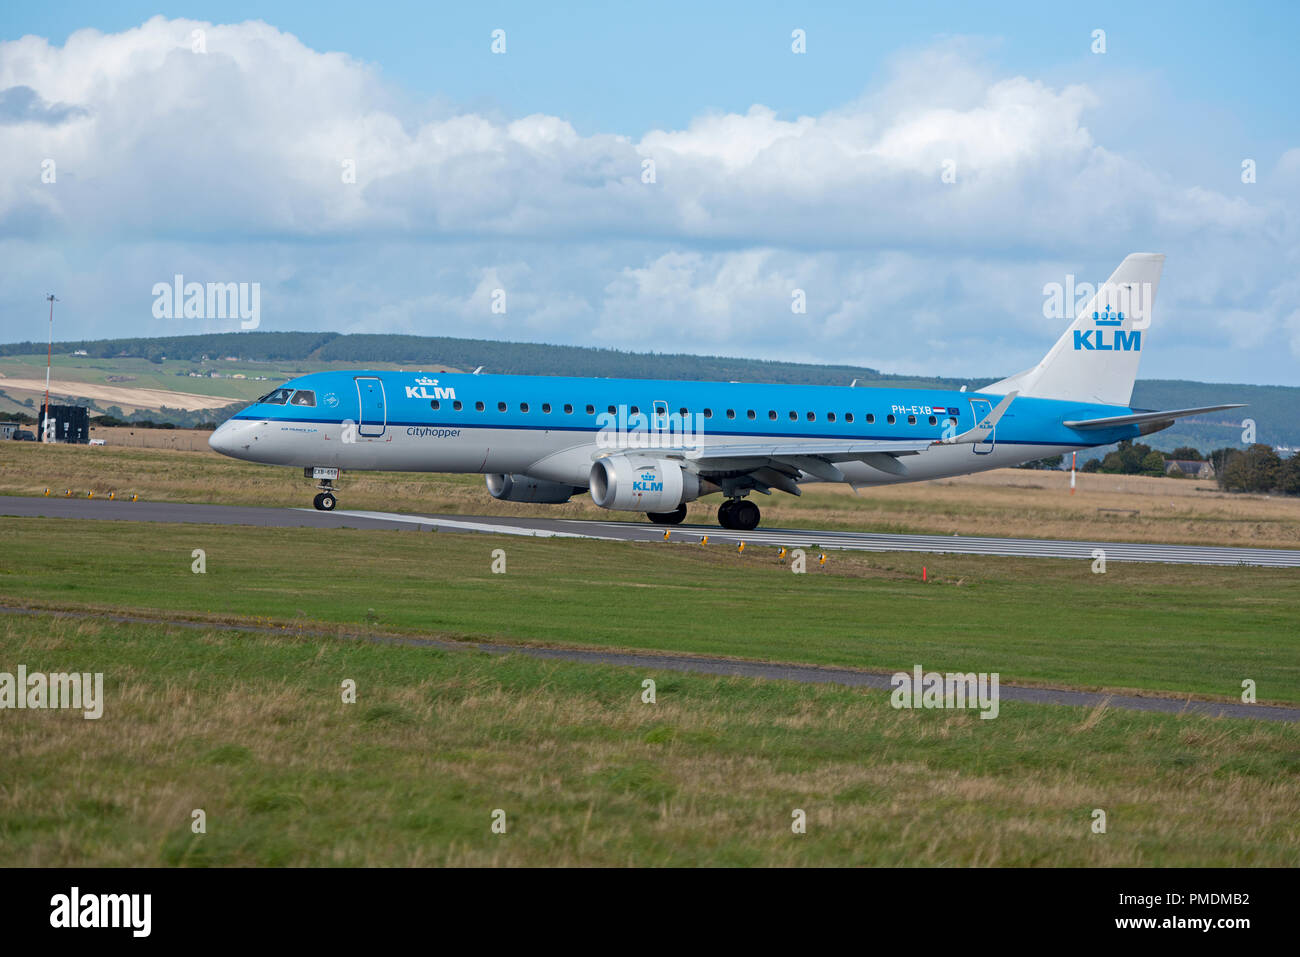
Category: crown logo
<point>1106,319</point>
<point>428,381</point>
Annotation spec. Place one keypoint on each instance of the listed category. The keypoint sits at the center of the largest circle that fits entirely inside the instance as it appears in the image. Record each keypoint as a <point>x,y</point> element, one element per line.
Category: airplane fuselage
<point>553,428</point>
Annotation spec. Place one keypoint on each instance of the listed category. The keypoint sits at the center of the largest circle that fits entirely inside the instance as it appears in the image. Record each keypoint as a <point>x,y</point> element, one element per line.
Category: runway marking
<point>865,541</point>
<point>639,532</point>
<point>484,527</point>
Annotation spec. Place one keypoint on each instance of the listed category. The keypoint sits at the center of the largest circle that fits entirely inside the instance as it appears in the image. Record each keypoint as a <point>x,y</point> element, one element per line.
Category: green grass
<point>252,729</point>
<point>1169,629</point>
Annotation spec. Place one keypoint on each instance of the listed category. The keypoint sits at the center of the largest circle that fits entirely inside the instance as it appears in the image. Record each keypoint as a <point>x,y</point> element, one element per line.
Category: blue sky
<point>628,67</point>
<point>776,171</point>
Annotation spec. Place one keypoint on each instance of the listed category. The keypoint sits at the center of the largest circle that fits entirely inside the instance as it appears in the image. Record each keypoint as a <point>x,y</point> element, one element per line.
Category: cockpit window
<point>278,397</point>
<point>304,397</point>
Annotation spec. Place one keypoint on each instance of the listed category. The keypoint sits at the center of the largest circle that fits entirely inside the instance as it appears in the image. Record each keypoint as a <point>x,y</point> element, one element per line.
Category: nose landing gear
<point>324,477</point>
<point>739,515</point>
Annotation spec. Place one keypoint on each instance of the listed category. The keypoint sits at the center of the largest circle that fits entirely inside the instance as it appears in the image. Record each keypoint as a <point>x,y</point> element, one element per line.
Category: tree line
<point>1255,468</point>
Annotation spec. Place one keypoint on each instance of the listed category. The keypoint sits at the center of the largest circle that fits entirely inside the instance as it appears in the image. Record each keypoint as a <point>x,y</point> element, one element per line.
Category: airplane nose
<point>223,439</point>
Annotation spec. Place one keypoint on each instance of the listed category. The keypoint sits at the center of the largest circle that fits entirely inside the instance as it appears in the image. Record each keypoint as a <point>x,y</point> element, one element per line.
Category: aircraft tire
<point>745,516</point>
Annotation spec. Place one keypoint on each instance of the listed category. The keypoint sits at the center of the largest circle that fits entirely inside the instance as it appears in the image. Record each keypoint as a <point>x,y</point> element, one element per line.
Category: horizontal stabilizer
<point>1140,418</point>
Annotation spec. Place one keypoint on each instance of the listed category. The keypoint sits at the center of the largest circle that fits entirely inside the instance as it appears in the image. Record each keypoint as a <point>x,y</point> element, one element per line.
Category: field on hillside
<point>1170,630</point>
<point>1007,502</point>
<point>130,382</point>
<point>252,730</point>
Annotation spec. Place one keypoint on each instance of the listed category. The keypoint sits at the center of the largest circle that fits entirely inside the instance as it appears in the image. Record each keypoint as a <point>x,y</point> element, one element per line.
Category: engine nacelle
<point>525,488</point>
<point>641,484</point>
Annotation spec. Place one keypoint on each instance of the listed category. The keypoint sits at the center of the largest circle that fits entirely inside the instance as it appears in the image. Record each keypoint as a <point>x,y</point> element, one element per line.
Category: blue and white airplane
<point>653,445</point>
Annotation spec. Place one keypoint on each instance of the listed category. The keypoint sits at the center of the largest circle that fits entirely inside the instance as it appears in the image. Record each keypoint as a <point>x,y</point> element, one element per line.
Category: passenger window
<point>568,409</point>
<point>871,419</point>
<point>750,414</point>
<point>771,414</point>
<point>304,397</point>
<point>501,406</point>
<point>830,416</point>
<point>478,406</point>
<point>848,416</point>
<point>933,420</point>
<point>708,413</point>
<point>591,410</point>
<point>523,406</point>
<point>546,407</point>
<point>794,416</point>
<point>812,416</point>
<point>911,420</point>
<point>458,405</point>
<point>435,405</point>
<point>278,397</point>
<point>613,411</point>
<point>731,413</point>
<point>890,418</point>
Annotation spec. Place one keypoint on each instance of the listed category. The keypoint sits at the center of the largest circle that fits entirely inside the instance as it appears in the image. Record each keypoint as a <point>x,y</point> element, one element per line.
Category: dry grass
<point>1005,502</point>
<point>175,440</point>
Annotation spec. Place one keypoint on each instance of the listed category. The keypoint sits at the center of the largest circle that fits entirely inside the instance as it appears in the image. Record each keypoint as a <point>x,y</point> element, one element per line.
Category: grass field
<point>1162,629</point>
<point>132,373</point>
<point>252,730</point>
<point>1007,502</point>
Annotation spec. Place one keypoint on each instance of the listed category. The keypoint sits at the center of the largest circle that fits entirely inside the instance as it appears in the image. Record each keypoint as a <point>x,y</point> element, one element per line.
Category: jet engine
<point>638,484</point>
<point>525,488</point>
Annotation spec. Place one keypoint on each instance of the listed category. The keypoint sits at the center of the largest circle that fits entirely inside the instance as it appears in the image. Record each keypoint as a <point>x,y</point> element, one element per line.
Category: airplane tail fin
<point>1096,360</point>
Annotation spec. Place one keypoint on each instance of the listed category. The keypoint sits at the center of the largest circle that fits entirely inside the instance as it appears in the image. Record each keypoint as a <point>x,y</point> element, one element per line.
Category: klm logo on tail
<point>1096,339</point>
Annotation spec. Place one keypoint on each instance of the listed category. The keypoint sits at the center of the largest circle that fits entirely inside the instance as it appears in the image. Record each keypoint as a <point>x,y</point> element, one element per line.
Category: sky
<point>670,177</point>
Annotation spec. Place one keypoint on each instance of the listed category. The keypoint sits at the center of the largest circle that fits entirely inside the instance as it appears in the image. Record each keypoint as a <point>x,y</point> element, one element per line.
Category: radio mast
<point>49,360</point>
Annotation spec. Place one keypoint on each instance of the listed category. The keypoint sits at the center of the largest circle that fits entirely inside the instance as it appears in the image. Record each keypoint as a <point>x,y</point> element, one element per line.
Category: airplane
<point>651,446</point>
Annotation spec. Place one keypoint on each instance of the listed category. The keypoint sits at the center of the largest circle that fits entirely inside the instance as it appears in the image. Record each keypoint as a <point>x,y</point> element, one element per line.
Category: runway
<point>731,667</point>
<point>121,510</point>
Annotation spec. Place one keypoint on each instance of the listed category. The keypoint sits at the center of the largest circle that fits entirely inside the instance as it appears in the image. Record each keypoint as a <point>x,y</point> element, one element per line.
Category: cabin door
<point>372,416</point>
<point>983,408</point>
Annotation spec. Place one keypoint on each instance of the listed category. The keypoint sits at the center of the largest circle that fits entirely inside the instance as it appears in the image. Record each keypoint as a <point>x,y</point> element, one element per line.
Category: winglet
<point>984,428</point>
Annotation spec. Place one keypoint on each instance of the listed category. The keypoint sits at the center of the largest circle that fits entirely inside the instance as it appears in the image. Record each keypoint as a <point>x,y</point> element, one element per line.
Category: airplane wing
<point>1139,418</point>
<point>778,464</point>
<point>817,459</point>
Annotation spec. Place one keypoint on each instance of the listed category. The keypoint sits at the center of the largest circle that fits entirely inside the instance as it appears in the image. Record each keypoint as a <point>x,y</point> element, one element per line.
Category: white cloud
<point>185,161</point>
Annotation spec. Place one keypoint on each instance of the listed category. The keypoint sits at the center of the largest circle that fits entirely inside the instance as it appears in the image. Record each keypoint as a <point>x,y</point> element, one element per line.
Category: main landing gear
<point>739,515</point>
<point>675,517</point>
